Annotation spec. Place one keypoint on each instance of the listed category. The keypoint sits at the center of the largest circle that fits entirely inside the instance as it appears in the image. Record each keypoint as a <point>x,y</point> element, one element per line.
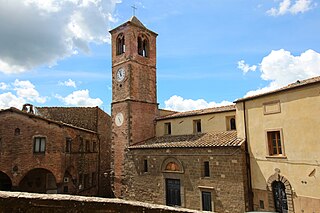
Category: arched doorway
<point>280,197</point>
<point>5,182</point>
<point>39,181</point>
<point>172,170</point>
<point>280,191</point>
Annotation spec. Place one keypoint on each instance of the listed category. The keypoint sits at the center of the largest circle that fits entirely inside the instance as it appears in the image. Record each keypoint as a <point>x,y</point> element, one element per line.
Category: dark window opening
<point>94,146</point>
<point>121,48</point>
<point>143,46</point>
<point>197,126</point>
<point>206,169</point>
<point>93,180</point>
<point>206,201</point>
<point>86,180</point>
<point>274,143</point>
<point>39,145</point>
<point>68,145</point>
<point>87,146</point>
<point>80,181</point>
<point>81,146</point>
<point>17,132</point>
<point>145,165</point>
<point>167,127</point>
<point>233,124</point>
<point>261,204</point>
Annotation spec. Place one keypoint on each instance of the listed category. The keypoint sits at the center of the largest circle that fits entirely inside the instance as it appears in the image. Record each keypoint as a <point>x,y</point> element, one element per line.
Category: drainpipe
<point>250,192</point>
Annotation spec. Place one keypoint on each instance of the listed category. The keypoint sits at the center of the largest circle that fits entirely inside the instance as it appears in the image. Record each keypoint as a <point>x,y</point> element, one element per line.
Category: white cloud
<point>69,83</point>
<point>246,67</point>
<point>286,6</point>
<point>280,67</point>
<point>45,31</point>
<point>27,91</point>
<point>8,100</point>
<point>177,103</point>
<point>80,98</point>
<point>3,86</point>
<point>24,92</point>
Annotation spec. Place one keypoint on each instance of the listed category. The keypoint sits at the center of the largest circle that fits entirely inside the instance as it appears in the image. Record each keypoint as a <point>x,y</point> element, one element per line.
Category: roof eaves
<point>59,123</point>
<point>292,86</point>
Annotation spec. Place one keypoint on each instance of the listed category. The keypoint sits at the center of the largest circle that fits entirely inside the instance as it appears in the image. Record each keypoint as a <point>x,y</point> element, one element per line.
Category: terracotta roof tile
<point>199,112</point>
<point>212,139</point>
<point>296,84</point>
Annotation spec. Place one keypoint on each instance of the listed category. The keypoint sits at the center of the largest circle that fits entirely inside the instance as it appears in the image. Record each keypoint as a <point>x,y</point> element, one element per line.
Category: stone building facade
<point>38,154</point>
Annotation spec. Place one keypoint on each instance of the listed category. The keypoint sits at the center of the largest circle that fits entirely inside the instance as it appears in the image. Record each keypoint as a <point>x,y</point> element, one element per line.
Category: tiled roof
<point>37,116</point>
<point>296,84</point>
<point>212,139</point>
<point>85,117</point>
<point>199,112</point>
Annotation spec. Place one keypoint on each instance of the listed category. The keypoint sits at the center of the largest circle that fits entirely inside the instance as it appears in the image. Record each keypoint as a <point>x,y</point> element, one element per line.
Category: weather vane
<point>134,8</point>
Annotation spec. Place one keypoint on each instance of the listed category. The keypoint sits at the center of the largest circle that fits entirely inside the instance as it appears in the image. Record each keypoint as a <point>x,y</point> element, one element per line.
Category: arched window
<point>233,124</point>
<point>17,132</point>
<point>143,46</point>
<point>121,47</point>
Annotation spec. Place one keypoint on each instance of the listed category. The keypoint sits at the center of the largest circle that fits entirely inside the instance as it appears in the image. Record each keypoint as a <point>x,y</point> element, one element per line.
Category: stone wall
<point>28,202</point>
<point>227,181</point>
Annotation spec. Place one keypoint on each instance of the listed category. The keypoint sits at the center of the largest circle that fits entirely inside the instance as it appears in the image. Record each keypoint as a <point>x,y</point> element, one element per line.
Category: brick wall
<point>18,159</point>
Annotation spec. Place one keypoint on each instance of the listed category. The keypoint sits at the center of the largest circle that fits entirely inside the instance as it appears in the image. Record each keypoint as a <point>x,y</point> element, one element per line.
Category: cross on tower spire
<point>134,8</point>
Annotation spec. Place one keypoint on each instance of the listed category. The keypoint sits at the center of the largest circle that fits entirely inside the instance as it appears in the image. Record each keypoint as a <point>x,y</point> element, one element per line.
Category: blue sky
<point>209,52</point>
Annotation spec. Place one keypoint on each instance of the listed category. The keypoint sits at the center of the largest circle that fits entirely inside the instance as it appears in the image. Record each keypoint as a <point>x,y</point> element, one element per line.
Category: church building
<point>193,159</point>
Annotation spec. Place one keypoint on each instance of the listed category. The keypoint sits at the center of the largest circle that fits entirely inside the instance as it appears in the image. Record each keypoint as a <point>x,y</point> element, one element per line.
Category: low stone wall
<point>47,203</point>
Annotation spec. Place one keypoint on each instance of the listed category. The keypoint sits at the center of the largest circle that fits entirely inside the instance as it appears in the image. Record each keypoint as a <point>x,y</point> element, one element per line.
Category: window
<point>206,169</point>
<point>121,47</point>
<point>94,177</point>
<point>68,145</point>
<point>206,201</point>
<point>274,143</point>
<point>232,124</point>
<point>94,146</point>
<point>80,181</point>
<point>39,145</point>
<point>197,126</point>
<point>86,180</point>
<point>145,165</point>
<point>81,145</point>
<point>17,132</point>
<point>167,128</point>
<point>87,146</point>
<point>143,46</point>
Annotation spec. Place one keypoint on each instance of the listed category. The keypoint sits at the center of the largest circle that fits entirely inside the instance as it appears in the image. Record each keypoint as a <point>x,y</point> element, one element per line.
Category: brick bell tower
<point>134,99</point>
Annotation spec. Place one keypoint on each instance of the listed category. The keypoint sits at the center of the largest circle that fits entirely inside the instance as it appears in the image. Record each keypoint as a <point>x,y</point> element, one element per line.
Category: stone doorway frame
<point>278,177</point>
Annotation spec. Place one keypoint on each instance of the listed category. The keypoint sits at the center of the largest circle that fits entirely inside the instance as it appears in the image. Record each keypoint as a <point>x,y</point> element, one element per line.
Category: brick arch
<point>5,182</point>
<point>174,161</point>
<point>36,180</point>
<point>289,192</point>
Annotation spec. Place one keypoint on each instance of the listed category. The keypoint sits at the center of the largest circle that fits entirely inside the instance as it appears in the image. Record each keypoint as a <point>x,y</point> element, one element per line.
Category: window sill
<point>276,157</point>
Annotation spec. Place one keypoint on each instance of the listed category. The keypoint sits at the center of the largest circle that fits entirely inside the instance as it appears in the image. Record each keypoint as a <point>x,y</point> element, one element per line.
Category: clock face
<point>119,119</point>
<point>121,73</point>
